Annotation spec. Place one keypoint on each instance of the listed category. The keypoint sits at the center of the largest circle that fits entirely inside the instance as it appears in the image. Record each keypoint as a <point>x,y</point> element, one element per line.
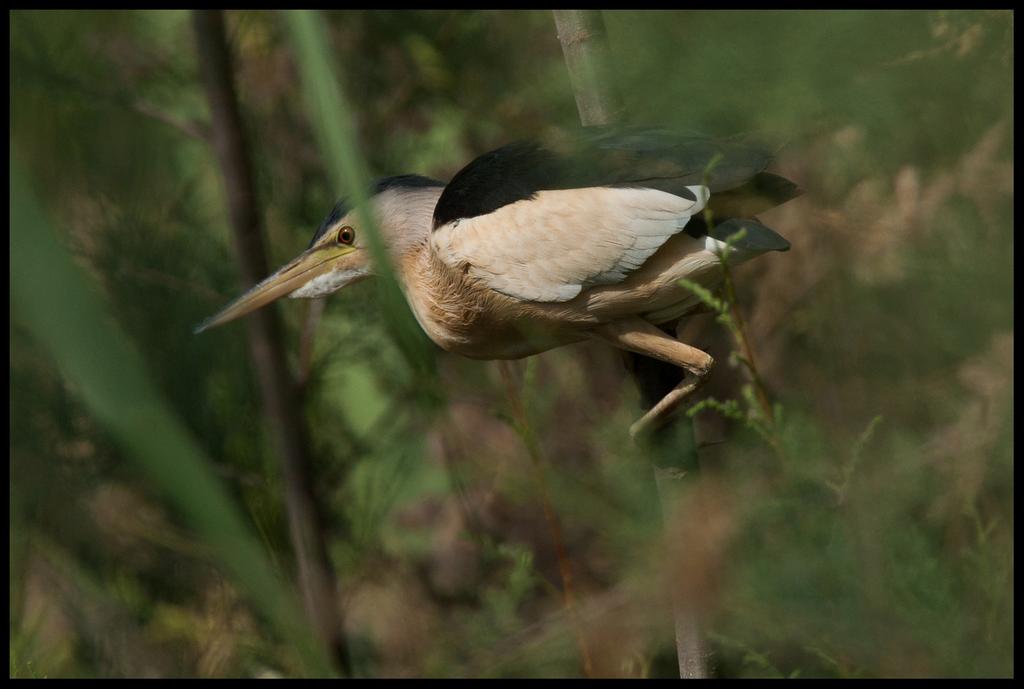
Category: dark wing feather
<point>667,160</point>
<point>760,193</point>
<point>756,237</point>
<point>607,156</point>
<point>501,177</point>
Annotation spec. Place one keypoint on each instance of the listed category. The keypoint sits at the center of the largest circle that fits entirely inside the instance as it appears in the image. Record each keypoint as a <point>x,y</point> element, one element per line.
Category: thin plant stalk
<point>729,314</point>
<point>280,395</point>
<point>523,427</point>
<point>740,333</point>
<point>587,59</point>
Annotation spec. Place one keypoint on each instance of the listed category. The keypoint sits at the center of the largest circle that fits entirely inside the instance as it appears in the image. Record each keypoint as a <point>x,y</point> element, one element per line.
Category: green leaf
<point>333,123</point>
<point>61,307</point>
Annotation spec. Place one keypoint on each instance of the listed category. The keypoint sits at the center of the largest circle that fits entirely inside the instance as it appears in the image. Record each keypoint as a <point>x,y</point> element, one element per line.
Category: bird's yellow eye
<point>346,235</point>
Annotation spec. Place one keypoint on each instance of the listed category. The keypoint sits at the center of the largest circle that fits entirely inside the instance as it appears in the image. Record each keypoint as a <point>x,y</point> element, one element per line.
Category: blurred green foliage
<point>846,554</point>
<point>63,314</point>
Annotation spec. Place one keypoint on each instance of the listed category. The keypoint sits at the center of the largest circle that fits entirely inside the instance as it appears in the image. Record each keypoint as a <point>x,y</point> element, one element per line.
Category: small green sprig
<point>757,412</point>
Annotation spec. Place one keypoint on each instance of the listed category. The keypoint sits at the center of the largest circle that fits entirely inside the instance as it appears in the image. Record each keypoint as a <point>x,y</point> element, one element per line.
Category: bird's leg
<point>639,336</point>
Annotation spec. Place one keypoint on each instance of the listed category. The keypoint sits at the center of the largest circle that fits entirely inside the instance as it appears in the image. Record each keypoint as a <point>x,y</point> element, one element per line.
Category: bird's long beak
<point>306,267</point>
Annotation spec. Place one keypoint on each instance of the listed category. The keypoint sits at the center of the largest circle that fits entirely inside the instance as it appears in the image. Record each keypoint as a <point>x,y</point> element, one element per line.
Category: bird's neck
<point>437,295</point>
<point>431,287</point>
<point>407,221</point>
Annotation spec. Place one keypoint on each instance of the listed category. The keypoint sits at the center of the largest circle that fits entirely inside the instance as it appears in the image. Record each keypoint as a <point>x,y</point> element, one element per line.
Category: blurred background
<point>874,540</point>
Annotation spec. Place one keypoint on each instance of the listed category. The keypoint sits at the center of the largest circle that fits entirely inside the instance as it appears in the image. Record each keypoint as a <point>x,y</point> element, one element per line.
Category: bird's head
<point>338,255</point>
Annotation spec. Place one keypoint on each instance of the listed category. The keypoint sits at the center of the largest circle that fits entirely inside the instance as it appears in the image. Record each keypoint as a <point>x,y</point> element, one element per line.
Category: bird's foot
<point>660,412</point>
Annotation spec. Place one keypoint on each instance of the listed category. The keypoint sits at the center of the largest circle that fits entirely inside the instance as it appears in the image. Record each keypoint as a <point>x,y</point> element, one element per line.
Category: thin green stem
<point>522,425</point>
<point>740,333</point>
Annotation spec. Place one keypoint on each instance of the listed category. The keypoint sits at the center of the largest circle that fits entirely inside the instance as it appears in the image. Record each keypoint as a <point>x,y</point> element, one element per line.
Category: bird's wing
<point>601,156</point>
<point>543,222</point>
<point>554,244</point>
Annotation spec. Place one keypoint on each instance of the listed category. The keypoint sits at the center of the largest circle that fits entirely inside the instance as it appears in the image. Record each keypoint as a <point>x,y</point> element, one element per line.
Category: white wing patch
<point>553,246</point>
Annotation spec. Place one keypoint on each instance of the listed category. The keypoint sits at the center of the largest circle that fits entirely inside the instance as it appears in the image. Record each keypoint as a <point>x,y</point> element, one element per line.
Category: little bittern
<point>531,247</point>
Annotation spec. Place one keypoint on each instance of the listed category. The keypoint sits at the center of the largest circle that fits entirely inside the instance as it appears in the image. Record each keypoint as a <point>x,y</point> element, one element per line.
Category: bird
<point>540,244</point>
